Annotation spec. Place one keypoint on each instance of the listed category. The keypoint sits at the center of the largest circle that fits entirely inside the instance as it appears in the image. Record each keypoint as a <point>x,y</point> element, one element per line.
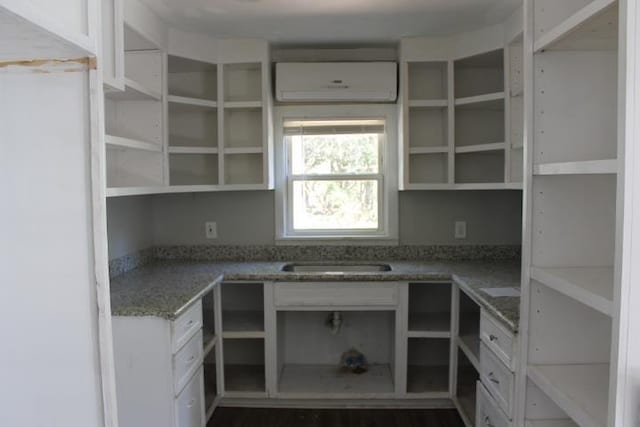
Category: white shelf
<point>242,324</point>
<point>429,325</point>
<point>333,381</point>
<point>479,99</point>
<point>481,147</point>
<point>193,150</point>
<point>134,91</point>
<point>470,346</point>
<point>209,342</point>
<point>242,104</point>
<point>550,423</point>
<point>593,167</point>
<point>476,186</point>
<point>118,141</point>
<point>243,150</point>
<point>28,33</point>
<point>592,286</point>
<point>429,103</point>
<point>428,150</point>
<point>192,102</point>
<point>592,27</point>
<point>580,390</point>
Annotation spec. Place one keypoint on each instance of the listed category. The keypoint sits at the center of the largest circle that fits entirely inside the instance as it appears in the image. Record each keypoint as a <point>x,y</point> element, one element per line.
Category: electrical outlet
<point>211,230</point>
<point>461,230</point>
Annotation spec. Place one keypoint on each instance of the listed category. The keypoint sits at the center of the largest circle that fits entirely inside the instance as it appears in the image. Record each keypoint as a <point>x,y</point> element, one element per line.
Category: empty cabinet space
<point>311,346</point>
<point>427,82</point>
<point>193,169</point>
<point>188,78</point>
<point>479,75</point>
<point>244,365</point>
<point>542,411</point>
<point>242,310</point>
<point>428,129</point>
<point>428,366</point>
<point>478,125</point>
<point>192,127</point>
<point>480,167</point>
<point>469,329</point>
<point>242,169</point>
<point>466,382</point>
<point>133,168</point>
<point>242,83</point>
<point>210,383</point>
<point>208,322</point>
<point>243,128</point>
<point>429,310</point>
<point>428,168</point>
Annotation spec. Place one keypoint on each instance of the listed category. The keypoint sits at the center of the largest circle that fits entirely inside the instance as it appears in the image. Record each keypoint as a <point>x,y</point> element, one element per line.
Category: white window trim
<point>388,233</point>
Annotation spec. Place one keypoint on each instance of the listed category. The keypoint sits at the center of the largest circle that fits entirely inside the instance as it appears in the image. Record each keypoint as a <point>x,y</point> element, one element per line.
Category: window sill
<point>337,241</point>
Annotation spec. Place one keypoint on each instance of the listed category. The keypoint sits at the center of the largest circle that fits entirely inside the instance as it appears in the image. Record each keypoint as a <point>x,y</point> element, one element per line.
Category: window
<point>334,180</point>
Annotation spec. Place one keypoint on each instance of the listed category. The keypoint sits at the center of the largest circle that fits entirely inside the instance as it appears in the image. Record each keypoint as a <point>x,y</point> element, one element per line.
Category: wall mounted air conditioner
<point>336,81</point>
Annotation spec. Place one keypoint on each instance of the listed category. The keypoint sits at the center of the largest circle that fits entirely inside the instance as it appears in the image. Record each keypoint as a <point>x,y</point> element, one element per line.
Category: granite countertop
<point>166,288</point>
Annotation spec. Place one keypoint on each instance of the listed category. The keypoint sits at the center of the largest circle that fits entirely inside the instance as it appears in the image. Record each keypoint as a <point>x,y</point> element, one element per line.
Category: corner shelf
<point>134,91</point>
<point>482,101</point>
<point>429,103</point>
<point>429,325</point>
<point>192,150</point>
<point>480,148</point>
<point>592,286</point>
<point>591,167</point>
<point>580,390</point>
<point>196,103</point>
<point>470,346</point>
<point>243,324</point>
<point>243,150</point>
<point>243,104</point>
<point>129,143</point>
<point>592,27</point>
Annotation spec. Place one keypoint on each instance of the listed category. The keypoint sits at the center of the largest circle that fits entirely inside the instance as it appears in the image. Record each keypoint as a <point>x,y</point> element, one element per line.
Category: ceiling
<point>331,21</point>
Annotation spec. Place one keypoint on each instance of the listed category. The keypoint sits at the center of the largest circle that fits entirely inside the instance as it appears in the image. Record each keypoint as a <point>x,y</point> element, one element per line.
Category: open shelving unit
<point>466,380</point>
<point>134,119</point>
<point>573,233</point>
<point>429,310</point>
<point>210,309</point>
<point>428,367</point>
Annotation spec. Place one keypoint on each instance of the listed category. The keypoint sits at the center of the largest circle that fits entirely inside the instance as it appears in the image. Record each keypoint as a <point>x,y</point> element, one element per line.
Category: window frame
<point>387,231</point>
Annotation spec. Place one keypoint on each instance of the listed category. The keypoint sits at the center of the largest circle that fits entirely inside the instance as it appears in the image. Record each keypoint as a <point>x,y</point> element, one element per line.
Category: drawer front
<point>190,403</point>
<point>186,361</point>
<point>498,379</point>
<point>185,326</point>
<point>330,294</point>
<point>498,339</point>
<point>487,412</point>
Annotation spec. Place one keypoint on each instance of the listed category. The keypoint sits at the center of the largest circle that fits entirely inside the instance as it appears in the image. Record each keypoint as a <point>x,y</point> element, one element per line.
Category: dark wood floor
<point>250,417</point>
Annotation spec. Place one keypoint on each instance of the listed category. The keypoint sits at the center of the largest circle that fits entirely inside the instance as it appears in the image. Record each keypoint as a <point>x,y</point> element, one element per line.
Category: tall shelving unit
<point>569,306</point>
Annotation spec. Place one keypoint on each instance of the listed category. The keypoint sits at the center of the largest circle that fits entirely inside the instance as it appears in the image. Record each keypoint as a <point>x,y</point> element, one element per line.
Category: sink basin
<point>336,268</point>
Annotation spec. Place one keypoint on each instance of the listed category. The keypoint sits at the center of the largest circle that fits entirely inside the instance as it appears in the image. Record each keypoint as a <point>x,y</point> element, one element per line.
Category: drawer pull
<point>191,403</point>
<point>493,378</point>
<point>191,359</point>
<point>189,324</point>
<point>493,338</point>
<point>487,421</point>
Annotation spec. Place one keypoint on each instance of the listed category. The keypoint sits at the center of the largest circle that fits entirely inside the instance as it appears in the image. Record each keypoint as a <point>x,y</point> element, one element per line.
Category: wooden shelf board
<point>195,103</point>
<point>489,99</point>
<point>242,104</point>
<point>193,150</point>
<point>594,27</point>
<point>27,33</point>
<point>481,147</point>
<point>592,286</point>
<point>332,381</point>
<point>470,346</point>
<point>428,150</point>
<point>244,150</point>
<point>121,142</point>
<point>134,91</point>
<point>592,167</point>
<point>428,103</point>
<point>580,390</point>
<point>550,423</point>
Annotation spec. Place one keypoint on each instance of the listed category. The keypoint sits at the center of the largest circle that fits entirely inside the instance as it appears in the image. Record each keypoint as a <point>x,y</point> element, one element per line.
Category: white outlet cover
<point>211,230</point>
<point>461,230</point>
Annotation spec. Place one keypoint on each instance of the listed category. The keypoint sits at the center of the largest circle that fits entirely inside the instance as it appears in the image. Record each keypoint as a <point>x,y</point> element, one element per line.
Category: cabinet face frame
<point>114,57</point>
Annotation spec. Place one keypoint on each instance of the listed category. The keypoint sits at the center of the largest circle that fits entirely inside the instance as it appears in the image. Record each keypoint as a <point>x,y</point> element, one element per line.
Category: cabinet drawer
<point>487,412</point>
<point>497,378</point>
<point>498,339</point>
<point>189,403</point>
<point>186,361</point>
<point>328,294</point>
<point>185,326</point>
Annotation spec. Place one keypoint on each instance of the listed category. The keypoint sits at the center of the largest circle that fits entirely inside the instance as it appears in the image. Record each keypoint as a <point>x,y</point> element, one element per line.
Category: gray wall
<point>426,218</point>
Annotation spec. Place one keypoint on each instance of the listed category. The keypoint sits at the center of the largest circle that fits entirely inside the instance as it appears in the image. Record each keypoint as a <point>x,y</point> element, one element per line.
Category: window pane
<point>337,205</point>
<point>335,154</point>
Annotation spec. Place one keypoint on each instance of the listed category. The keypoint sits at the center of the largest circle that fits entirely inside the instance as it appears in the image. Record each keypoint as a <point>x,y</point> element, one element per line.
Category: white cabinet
<point>159,369</point>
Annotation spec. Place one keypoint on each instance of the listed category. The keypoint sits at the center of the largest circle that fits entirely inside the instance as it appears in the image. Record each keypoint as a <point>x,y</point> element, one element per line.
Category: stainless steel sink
<point>336,268</point>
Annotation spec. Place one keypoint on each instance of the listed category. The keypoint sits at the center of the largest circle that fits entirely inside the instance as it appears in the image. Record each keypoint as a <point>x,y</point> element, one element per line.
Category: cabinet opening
<point>479,74</point>
<point>192,79</point>
<point>242,310</point>
<point>192,126</point>
<point>427,80</point>
<point>430,309</point>
<point>244,365</point>
<point>466,383</point>
<point>428,168</point>
<point>311,346</point>
<point>193,169</point>
<point>243,82</point>
<point>481,167</point>
<point>428,365</point>
<point>428,127</point>
<point>210,382</point>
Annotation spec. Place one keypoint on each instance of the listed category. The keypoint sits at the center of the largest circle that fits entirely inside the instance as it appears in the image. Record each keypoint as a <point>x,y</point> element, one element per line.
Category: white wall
<point>246,218</point>
<point>49,362</point>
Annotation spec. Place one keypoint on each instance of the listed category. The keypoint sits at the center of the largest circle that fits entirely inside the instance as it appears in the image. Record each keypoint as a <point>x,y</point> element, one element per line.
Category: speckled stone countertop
<point>167,288</point>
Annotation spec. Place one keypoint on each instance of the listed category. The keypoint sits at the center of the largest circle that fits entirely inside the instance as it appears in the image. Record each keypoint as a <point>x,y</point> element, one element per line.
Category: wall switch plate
<point>211,230</point>
<point>461,230</point>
